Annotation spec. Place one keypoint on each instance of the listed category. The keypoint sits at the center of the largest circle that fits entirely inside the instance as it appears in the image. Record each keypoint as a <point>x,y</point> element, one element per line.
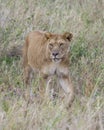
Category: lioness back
<point>34,49</point>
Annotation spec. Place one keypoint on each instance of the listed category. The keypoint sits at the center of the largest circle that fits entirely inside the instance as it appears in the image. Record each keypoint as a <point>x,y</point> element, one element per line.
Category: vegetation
<point>85,19</point>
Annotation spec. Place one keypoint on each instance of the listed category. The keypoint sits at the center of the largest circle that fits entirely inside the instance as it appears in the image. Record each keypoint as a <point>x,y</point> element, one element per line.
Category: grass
<point>85,19</point>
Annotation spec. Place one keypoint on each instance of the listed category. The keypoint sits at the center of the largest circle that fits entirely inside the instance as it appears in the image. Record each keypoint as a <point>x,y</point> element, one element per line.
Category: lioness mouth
<point>56,59</point>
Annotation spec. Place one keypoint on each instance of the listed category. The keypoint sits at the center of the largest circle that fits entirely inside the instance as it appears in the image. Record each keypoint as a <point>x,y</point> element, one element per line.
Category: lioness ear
<point>68,36</point>
<point>48,35</point>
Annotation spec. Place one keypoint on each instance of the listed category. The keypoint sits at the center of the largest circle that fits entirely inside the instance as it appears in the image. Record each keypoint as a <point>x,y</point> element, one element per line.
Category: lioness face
<point>58,46</point>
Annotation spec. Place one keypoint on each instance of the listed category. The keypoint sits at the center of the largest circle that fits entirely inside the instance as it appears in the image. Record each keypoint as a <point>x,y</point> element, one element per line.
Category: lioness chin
<point>48,54</point>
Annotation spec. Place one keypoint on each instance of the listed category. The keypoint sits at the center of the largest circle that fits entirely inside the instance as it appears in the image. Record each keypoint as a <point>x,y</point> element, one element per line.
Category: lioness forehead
<point>57,39</point>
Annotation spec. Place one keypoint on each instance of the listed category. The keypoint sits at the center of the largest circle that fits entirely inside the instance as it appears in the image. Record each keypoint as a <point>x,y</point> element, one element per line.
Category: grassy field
<point>85,19</point>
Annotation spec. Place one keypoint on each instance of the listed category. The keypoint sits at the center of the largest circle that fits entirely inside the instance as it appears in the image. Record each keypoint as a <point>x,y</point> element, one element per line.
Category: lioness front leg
<point>67,86</point>
<point>45,85</point>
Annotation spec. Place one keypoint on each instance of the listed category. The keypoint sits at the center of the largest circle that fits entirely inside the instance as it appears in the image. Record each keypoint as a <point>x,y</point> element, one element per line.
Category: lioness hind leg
<point>28,94</point>
<point>42,83</point>
<point>27,73</point>
<point>66,84</point>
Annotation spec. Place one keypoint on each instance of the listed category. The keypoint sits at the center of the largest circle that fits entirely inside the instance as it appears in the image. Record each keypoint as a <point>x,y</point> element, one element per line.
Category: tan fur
<point>48,54</point>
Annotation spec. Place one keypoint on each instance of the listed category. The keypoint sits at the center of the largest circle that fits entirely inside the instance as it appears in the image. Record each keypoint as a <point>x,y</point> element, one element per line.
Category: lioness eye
<point>51,45</point>
<point>61,44</point>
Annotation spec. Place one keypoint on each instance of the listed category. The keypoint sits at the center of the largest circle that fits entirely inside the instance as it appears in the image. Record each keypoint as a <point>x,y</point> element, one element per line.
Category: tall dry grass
<point>85,19</point>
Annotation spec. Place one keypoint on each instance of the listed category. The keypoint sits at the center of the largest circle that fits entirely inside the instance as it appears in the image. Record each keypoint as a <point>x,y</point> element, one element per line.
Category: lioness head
<point>58,45</point>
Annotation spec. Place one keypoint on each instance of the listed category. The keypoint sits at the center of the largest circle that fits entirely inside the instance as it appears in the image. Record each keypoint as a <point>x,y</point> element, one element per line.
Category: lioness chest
<point>55,69</point>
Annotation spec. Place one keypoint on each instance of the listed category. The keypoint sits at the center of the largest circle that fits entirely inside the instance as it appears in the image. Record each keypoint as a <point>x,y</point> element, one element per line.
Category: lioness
<point>47,53</point>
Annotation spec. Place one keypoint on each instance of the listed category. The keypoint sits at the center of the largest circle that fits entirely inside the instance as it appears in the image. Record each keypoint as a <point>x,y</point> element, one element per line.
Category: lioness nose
<point>55,53</point>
